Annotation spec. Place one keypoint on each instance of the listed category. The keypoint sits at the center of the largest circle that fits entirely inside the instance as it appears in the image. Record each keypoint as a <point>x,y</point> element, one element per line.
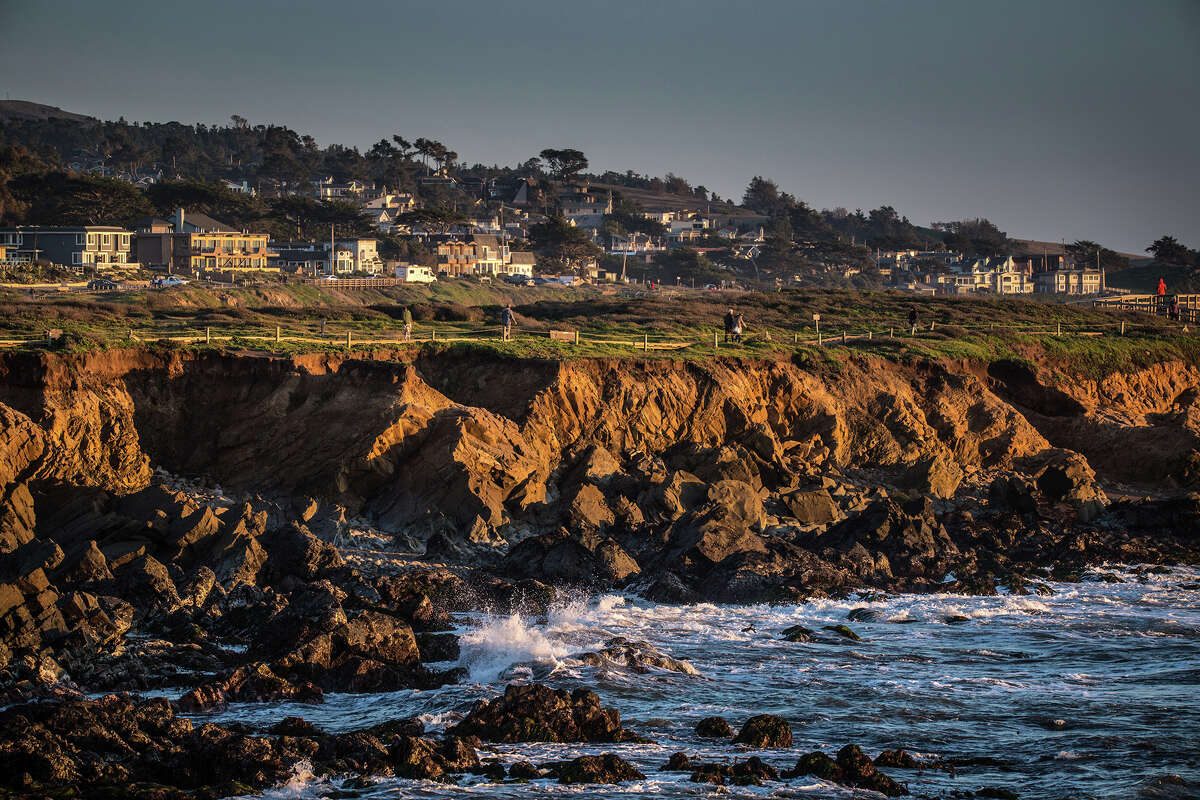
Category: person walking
<point>506,319</point>
<point>912,320</point>
<point>1160,295</point>
<point>739,325</point>
<point>407,323</point>
<point>729,320</point>
<point>1173,308</point>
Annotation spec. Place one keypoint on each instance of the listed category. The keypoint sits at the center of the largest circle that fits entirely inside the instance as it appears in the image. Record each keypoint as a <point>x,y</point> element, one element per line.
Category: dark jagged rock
<point>638,656</point>
<point>604,768</point>
<point>796,633</point>
<point>415,757</point>
<point>714,728</point>
<point>255,683</point>
<point>523,770</point>
<point>765,730</point>
<point>852,768</point>
<point>843,631</point>
<point>678,762</point>
<point>537,713</point>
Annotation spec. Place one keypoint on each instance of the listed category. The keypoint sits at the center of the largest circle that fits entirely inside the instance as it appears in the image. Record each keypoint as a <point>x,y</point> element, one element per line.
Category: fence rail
<point>346,335</point>
<point>1187,309</point>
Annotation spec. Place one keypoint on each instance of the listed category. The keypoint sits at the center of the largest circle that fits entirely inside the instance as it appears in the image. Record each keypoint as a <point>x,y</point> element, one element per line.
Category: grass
<point>610,325</point>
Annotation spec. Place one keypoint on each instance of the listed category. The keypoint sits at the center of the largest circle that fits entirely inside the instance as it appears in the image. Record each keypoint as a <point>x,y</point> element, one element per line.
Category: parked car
<point>173,280</point>
<point>102,284</point>
<point>328,278</point>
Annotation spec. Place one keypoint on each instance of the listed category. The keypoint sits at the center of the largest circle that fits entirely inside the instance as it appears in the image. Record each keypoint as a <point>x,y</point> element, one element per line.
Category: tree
<point>1168,250</point>
<point>433,219</point>
<point>560,240</point>
<point>564,164</point>
<point>977,236</point>
<point>1083,252</point>
<point>98,201</point>
<point>763,196</point>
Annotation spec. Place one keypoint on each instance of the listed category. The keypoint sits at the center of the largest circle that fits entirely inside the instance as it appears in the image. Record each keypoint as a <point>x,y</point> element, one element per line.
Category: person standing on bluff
<point>1161,295</point>
<point>912,319</point>
<point>729,320</point>
<point>407,323</point>
<point>739,325</point>
<point>1173,308</point>
<point>506,319</point>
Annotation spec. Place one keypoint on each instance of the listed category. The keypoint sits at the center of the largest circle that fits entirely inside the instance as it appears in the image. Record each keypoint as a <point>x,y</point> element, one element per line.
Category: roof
<point>486,240</point>
<point>524,257</point>
<point>205,223</point>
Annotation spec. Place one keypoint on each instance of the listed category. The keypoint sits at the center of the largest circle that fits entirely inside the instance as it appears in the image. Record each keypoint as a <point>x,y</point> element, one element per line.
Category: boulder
<point>812,507</point>
<point>604,768</point>
<point>416,757</point>
<point>1067,477</point>
<point>765,730</point>
<point>714,728</point>
<point>254,683</point>
<point>588,508</point>
<point>637,656</point>
<point>938,475</point>
<point>537,713</point>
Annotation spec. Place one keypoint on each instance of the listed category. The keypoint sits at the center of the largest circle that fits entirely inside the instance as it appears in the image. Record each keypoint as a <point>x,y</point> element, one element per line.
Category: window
<point>79,238</point>
<point>91,240</point>
<point>76,257</point>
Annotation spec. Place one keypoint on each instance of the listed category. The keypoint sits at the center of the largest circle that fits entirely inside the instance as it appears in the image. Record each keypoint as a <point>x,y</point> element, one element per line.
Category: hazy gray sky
<point>1053,119</point>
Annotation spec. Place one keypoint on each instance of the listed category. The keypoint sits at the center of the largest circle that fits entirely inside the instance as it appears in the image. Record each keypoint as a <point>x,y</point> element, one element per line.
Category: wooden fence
<point>1158,305</point>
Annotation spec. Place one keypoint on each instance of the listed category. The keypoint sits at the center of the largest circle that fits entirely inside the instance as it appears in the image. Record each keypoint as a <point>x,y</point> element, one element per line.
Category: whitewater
<point>1086,693</point>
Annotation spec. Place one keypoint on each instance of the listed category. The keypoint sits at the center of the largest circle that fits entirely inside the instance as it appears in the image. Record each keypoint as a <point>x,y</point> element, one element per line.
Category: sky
<point>1057,119</point>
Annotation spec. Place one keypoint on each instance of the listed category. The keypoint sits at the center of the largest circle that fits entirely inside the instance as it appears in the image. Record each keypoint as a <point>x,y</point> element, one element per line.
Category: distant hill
<point>1036,248</point>
<point>24,109</point>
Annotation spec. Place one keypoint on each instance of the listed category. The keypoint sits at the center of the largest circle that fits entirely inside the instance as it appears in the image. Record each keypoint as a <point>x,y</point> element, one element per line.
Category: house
<point>240,188</point>
<point>1070,279</point>
<point>414,273</point>
<point>301,258</point>
<point>585,210</point>
<point>522,263</point>
<point>328,189</point>
<point>90,248</point>
<point>363,255</point>
<point>194,243</point>
<point>482,255</point>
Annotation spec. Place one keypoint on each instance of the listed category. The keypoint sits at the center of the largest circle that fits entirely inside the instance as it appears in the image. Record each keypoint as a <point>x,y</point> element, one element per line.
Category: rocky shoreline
<point>198,521</point>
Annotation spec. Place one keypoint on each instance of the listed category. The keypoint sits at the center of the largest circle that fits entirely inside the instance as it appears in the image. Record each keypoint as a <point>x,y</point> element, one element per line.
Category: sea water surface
<point>1089,693</point>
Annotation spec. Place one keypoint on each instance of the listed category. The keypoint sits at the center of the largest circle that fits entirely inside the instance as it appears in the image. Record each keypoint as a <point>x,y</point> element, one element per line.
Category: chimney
<point>179,220</point>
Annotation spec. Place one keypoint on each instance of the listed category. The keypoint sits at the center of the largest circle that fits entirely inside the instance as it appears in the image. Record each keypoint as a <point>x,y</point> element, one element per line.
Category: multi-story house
<point>193,243</point>
<point>482,255</point>
<point>1070,280</point>
<point>328,189</point>
<point>86,248</point>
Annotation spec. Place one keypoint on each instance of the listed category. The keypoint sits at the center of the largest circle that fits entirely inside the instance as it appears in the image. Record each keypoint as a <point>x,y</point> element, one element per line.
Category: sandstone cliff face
<point>470,438</point>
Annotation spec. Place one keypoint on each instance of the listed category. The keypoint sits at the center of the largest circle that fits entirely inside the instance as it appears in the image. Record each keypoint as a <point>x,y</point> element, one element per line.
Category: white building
<point>415,273</point>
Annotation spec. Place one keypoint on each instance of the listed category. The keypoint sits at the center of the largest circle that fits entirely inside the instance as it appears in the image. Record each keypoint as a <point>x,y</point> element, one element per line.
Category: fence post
<point>1122,327</point>
<point>433,334</point>
<point>322,327</point>
<point>645,343</point>
<point>347,338</point>
<point>843,337</point>
<point>1059,332</point>
<point>276,334</point>
<point>931,324</point>
<point>869,334</point>
<point>576,337</point>
<point>716,343</point>
<point>891,333</point>
<point>795,337</point>
<point>819,342</point>
<point>207,335</point>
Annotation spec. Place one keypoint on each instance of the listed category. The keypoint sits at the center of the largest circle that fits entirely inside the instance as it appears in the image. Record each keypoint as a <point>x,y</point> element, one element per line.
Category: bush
<point>456,312</point>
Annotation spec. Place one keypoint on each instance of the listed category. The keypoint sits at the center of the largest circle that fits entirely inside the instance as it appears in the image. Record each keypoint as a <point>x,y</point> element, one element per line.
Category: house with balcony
<point>196,244</point>
<point>480,255</point>
<point>88,249</point>
<point>1069,279</point>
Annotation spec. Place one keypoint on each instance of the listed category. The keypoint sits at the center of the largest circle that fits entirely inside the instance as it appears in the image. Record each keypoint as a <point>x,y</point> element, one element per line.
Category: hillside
<point>25,109</point>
